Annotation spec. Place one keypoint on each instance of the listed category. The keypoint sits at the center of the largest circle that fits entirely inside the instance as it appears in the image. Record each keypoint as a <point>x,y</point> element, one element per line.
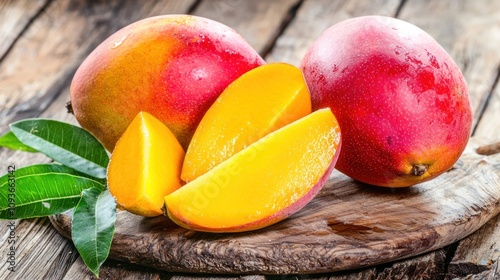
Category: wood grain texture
<point>347,226</point>
<point>37,240</point>
<point>489,149</point>
<point>426,267</point>
<point>357,274</point>
<point>15,17</point>
<point>493,274</point>
<point>315,16</point>
<point>477,253</point>
<point>489,123</point>
<point>113,270</point>
<point>258,21</point>
<point>119,270</point>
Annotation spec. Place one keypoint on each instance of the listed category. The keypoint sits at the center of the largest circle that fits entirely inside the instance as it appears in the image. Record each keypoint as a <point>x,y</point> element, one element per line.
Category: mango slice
<point>265,182</point>
<point>257,103</point>
<point>145,166</point>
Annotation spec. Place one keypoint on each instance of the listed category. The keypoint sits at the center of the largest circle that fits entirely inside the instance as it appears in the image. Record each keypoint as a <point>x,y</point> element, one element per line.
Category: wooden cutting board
<point>348,225</point>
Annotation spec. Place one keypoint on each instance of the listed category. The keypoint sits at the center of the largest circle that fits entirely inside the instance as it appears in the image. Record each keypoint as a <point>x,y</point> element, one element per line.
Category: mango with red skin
<point>401,101</point>
<point>172,66</point>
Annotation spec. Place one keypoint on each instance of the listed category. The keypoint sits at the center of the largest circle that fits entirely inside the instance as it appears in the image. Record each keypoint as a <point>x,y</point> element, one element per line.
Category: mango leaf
<point>93,227</point>
<point>42,190</point>
<point>65,143</point>
<point>9,140</point>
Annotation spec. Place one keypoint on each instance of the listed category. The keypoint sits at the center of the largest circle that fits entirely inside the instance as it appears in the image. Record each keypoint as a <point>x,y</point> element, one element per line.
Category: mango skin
<point>400,99</point>
<point>173,67</point>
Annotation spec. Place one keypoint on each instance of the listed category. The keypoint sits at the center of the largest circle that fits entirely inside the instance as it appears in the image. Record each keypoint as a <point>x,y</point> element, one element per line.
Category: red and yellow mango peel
<point>173,67</point>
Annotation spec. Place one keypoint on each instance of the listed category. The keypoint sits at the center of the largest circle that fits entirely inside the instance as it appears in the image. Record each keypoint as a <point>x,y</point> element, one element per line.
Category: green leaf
<point>42,190</point>
<point>9,140</point>
<point>93,227</point>
<point>65,143</point>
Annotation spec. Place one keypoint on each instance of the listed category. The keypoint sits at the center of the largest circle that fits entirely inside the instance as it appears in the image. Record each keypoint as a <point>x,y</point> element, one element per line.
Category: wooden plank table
<point>44,41</point>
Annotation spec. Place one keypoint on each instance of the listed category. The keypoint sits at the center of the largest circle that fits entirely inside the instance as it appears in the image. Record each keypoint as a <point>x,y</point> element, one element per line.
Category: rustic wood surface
<point>43,42</point>
<point>347,226</point>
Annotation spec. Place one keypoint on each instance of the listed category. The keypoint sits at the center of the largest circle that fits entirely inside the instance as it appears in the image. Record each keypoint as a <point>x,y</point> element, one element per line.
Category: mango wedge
<point>257,103</point>
<point>145,166</point>
<point>263,183</point>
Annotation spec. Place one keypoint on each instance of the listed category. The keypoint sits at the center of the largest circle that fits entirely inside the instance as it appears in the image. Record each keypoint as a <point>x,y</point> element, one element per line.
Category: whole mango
<point>401,101</point>
<point>172,66</point>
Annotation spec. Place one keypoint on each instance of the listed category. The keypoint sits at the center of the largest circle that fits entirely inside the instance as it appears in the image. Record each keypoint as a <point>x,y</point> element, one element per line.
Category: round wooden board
<point>348,225</point>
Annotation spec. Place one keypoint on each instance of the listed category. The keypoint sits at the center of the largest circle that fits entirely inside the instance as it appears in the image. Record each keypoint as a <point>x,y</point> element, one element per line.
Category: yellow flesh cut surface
<point>261,180</point>
<point>259,102</point>
<point>145,166</point>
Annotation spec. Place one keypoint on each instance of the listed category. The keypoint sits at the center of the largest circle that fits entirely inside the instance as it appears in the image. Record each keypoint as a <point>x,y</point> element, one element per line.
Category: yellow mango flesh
<point>257,103</point>
<point>264,183</point>
<point>145,166</point>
